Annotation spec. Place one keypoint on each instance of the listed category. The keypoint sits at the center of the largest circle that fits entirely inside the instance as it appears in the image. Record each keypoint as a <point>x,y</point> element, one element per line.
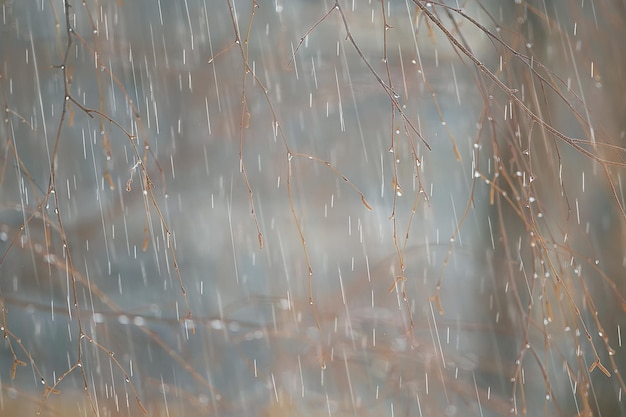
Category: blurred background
<point>311,208</point>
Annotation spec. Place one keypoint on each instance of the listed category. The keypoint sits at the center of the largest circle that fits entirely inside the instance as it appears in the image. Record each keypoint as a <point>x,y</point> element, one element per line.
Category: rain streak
<point>312,208</point>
